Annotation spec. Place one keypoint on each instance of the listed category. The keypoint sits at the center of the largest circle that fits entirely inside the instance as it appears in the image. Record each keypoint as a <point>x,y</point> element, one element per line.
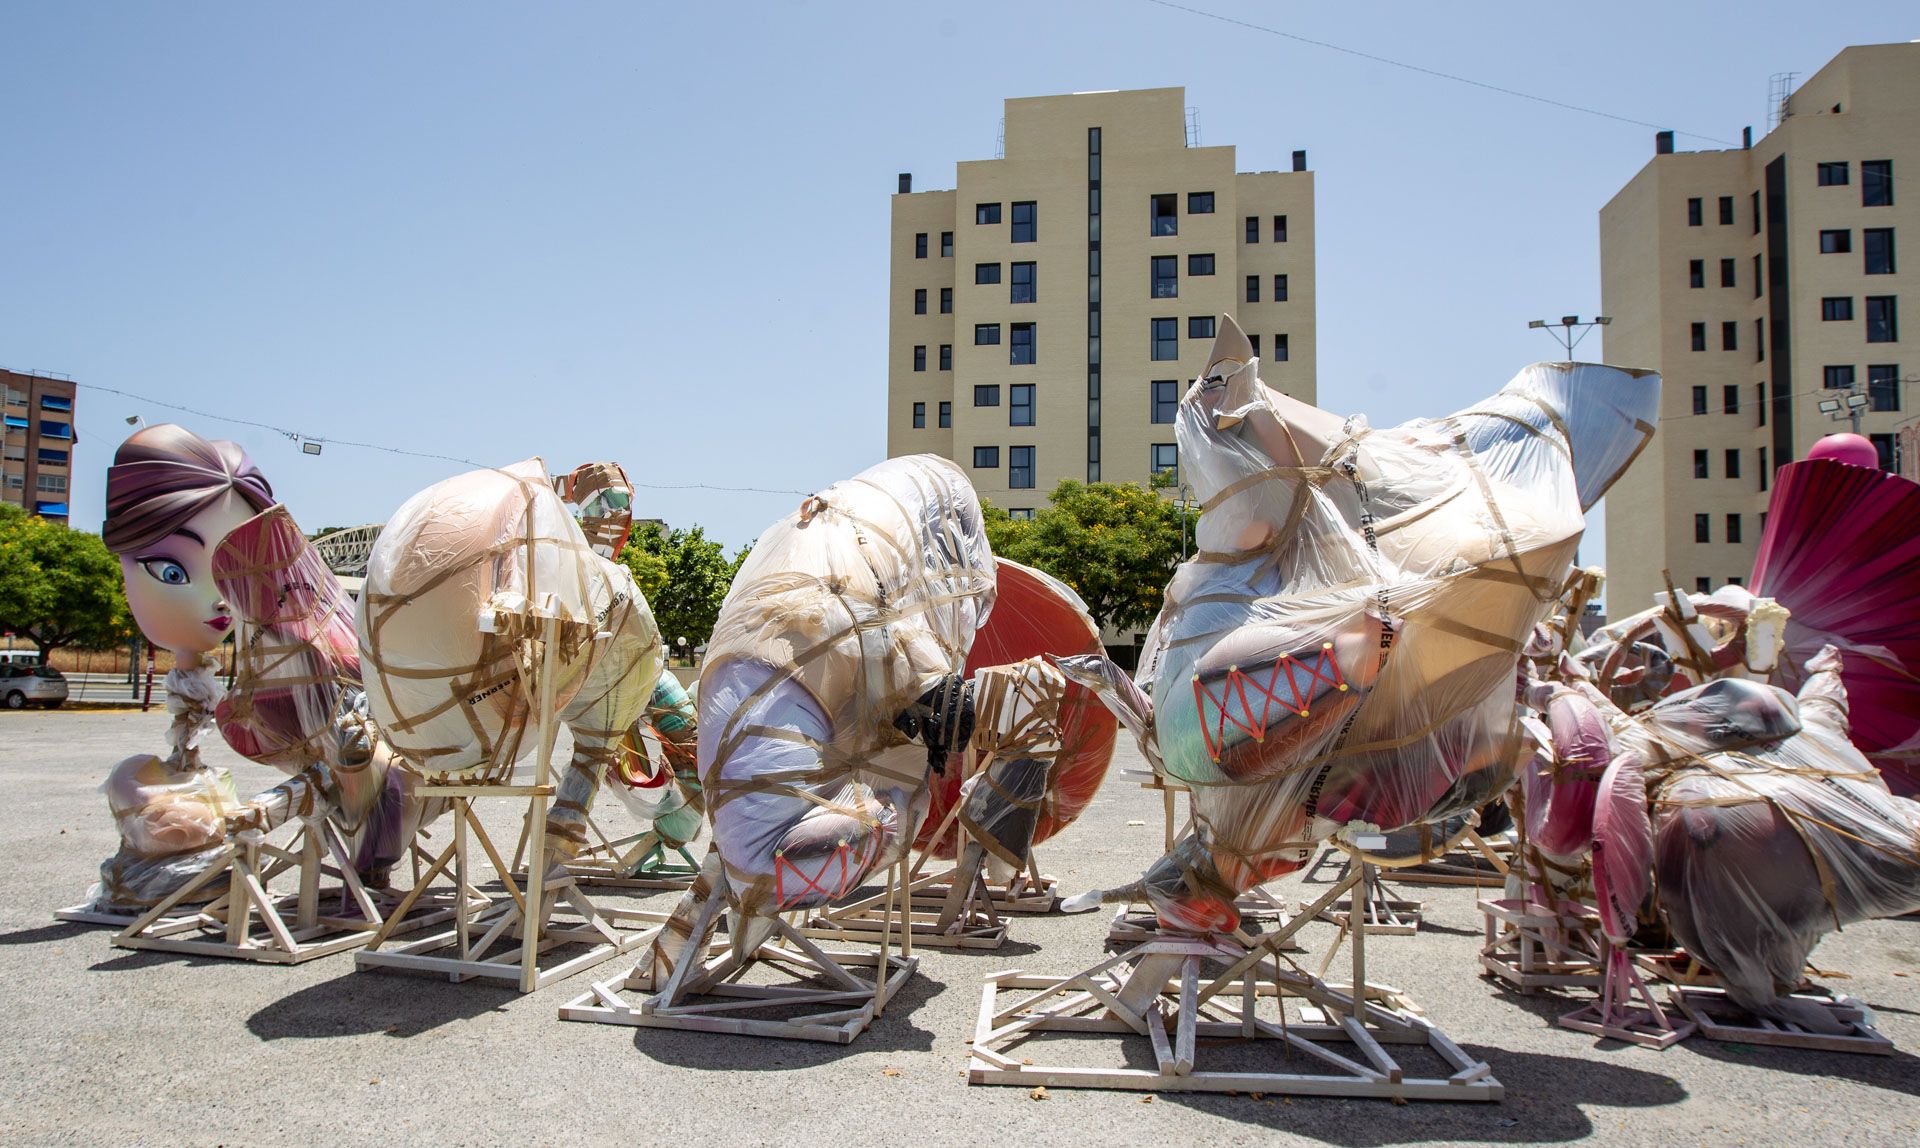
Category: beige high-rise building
<point>1762,283</point>
<point>38,466</point>
<point>1047,313</point>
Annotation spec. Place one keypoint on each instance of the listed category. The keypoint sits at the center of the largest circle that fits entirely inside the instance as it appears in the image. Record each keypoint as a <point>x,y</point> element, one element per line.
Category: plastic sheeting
<point>460,587</point>
<point>848,612</point>
<point>1340,655</point>
<point>665,794</point>
<point>1036,614</point>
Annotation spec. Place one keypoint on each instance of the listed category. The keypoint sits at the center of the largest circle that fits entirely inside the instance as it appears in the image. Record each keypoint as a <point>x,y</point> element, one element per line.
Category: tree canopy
<point>1116,544</point>
<point>58,586</point>
<point>685,576</point>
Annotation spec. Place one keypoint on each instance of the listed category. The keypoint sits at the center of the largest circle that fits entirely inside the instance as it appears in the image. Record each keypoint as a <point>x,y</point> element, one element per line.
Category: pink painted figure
<point>171,497</point>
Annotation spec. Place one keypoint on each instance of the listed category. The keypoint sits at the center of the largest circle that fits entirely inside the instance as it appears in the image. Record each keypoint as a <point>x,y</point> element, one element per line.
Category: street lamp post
<point>1563,331</point>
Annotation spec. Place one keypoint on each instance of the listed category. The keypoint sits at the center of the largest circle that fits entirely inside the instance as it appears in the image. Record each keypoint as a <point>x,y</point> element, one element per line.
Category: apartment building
<point>1762,282</point>
<point>1047,313</point>
<point>38,465</point>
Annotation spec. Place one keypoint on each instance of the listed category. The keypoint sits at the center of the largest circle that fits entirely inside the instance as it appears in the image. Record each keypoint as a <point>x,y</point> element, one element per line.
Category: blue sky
<point>609,231</point>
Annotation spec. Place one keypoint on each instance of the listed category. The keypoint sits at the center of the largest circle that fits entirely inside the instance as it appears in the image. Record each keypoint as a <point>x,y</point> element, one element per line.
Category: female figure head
<point>171,497</point>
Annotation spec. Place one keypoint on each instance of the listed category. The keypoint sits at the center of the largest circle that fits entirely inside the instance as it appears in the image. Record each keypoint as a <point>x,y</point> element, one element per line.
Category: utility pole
<point>1563,331</point>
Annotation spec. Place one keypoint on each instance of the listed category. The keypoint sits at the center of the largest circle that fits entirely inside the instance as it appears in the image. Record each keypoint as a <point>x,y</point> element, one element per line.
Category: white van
<point>19,657</point>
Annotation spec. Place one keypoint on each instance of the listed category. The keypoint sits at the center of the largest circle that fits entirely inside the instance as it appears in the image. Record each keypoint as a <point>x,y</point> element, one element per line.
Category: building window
<point>1702,523</point>
<point>946,245</point>
<point>986,395</point>
<point>1876,244</point>
<point>50,484</point>
<point>1166,400</point>
<point>1730,399</point>
<point>920,357</point>
<point>1759,340</point>
<point>1254,342</point>
<point>986,213</point>
<point>1883,325</point>
<point>1279,229</point>
<point>1836,242</point>
<point>1756,213</point>
<point>920,245</point>
<point>1699,400</point>
<point>1253,288</point>
<point>1280,348</point>
<point>1837,378</point>
<point>1200,264</point>
<point>946,415</point>
<point>1833,174</point>
<point>1733,463</point>
<point>1760,401</point>
<point>1883,386</point>
<point>946,300</point>
<point>1020,468</point>
<point>1696,273</point>
<point>1253,229</point>
<point>1020,405</point>
<point>1199,203</point>
<point>1885,446</point>
<point>1876,183</point>
<point>1730,335</point>
<point>1020,348</point>
<point>1700,464</point>
<point>1759,279</point>
<point>1726,210</point>
<point>919,416</point>
<point>1200,327</point>
<point>1165,456</point>
<point>1025,225</point>
<point>1020,513</point>
<point>1279,288</point>
<point>984,273</point>
<point>1726,272</point>
<point>1022,290</point>
<point>1836,309</point>
<point>919,300</point>
<point>50,429</point>
<point>51,457</point>
<point>1694,218</point>
<point>946,356</point>
<point>1733,528</point>
<point>1161,215</point>
<point>1166,277</point>
<point>986,457</point>
<point>986,334</point>
<point>1703,585</point>
<point>1166,340</point>
<point>53,403</point>
<point>1765,474</point>
<point>1697,337</point>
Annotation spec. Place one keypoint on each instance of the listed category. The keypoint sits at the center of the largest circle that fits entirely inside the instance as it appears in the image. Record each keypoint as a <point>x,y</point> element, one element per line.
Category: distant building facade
<point>1761,282</point>
<point>1046,314</point>
<point>37,469</point>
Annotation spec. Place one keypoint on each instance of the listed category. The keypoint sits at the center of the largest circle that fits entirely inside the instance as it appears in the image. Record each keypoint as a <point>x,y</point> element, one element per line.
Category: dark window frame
<point>986,458</point>
<point>1017,470</point>
<point>1163,401</point>
<point>1025,230</point>
<point>1163,214</point>
<point>985,214</point>
<point>1023,344</point>
<point>1200,259</point>
<point>1014,284</point>
<point>1169,342</point>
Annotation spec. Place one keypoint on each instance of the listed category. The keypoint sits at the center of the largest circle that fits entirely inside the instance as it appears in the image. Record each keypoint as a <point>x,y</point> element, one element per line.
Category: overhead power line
<point>1425,71</point>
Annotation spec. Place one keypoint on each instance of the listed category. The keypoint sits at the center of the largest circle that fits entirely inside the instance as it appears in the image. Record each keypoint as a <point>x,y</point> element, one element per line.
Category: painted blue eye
<point>166,570</point>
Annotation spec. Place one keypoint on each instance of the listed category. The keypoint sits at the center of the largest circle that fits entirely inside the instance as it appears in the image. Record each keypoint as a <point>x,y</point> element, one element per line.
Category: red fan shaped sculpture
<point>1035,614</point>
<point>1841,551</point>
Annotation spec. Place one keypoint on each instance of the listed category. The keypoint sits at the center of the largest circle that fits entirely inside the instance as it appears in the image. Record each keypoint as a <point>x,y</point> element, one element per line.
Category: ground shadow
<point>59,931</point>
<point>1899,1072</point>
<point>898,1030</point>
<point>1544,1101</point>
<point>357,1003</point>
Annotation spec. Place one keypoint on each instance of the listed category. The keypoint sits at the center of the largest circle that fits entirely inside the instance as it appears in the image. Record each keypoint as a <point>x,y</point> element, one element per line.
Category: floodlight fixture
<point>309,448</point>
<point>1604,320</point>
<point>1829,406</point>
<point>1532,325</point>
<point>1856,400</point>
<point>1569,320</point>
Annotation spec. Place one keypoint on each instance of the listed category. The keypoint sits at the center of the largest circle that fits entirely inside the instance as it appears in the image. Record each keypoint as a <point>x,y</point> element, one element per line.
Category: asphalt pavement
<point>100,1045</point>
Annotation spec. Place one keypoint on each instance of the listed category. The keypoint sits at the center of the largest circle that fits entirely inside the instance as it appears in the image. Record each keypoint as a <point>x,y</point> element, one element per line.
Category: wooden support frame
<point>968,919</point>
<point>253,922</point>
<point>1626,1009</point>
<point>700,988</point>
<point>637,861</point>
<point>1382,914</point>
<point>1166,991</point>
<point>1719,1018</point>
<point>1531,946</point>
<point>1476,862</point>
<point>533,912</point>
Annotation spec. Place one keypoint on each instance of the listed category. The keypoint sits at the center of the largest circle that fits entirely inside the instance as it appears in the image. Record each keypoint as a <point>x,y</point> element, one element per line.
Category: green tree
<point>1116,544</point>
<point>59,587</point>
<point>685,576</point>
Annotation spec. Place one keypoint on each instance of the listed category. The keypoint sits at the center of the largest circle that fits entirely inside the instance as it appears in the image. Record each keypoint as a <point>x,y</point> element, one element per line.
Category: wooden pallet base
<point>832,995</point>
<point>1023,896</point>
<point>1635,1026</point>
<point>1719,1018</point>
<point>1531,946</point>
<point>1159,992</point>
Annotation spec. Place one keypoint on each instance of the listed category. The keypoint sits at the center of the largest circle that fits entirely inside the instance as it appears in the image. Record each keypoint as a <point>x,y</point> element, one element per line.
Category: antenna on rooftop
<point>1193,127</point>
<point>1779,91</point>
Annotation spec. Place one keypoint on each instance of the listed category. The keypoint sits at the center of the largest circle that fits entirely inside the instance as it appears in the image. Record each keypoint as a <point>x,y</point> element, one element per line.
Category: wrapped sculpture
<point>1339,656</point>
<point>171,497</point>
